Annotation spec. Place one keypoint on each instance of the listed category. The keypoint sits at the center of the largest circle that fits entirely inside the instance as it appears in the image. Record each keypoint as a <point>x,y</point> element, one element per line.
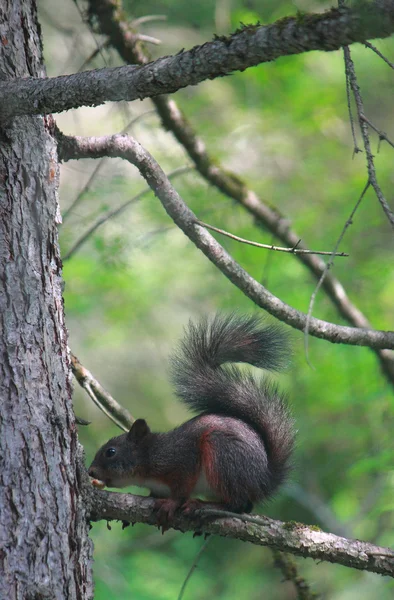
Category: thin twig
<point>93,55</point>
<point>84,190</point>
<point>356,149</point>
<point>351,74</point>
<point>83,19</point>
<point>146,19</point>
<point>105,402</point>
<point>193,567</point>
<point>149,39</point>
<point>327,268</point>
<point>381,134</point>
<point>137,118</point>
<point>117,211</point>
<point>293,250</point>
<point>99,166</point>
<point>374,49</point>
<point>289,569</point>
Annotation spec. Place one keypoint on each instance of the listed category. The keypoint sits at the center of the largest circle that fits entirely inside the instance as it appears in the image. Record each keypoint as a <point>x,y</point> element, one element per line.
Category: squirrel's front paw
<point>166,508</point>
<point>192,505</point>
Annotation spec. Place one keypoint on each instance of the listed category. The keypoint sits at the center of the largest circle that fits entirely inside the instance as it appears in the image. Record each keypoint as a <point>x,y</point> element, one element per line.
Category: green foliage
<point>283,127</point>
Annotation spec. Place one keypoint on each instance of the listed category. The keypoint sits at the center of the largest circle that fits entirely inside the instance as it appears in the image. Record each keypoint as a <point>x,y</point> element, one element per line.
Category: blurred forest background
<point>134,284</point>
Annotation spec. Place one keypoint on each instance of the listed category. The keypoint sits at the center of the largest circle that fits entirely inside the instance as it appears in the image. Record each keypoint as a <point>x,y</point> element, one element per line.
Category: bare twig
<point>84,190</point>
<point>292,537</point>
<point>289,570</point>
<point>193,567</point>
<point>293,250</point>
<point>381,134</point>
<point>147,19</point>
<point>93,55</point>
<point>149,39</point>
<point>105,402</point>
<point>351,74</point>
<point>98,167</point>
<point>328,266</point>
<point>127,148</point>
<point>117,211</point>
<point>374,49</point>
<point>356,149</point>
<point>99,49</point>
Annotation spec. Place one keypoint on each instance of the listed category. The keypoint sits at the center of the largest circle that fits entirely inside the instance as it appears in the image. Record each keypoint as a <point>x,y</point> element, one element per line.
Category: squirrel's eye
<point>110,452</point>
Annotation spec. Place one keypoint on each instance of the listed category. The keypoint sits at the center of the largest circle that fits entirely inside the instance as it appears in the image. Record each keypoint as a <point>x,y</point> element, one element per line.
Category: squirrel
<point>237,450</point>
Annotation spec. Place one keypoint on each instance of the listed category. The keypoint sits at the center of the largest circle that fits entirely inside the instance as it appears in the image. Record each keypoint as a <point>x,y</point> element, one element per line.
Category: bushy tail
<point>207,387</point>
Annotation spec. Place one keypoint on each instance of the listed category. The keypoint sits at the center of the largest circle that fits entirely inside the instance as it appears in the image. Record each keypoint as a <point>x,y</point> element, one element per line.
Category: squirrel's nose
<point>92,472</point>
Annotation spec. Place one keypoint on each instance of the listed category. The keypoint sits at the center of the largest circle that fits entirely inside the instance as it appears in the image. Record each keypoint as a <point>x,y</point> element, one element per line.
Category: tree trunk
<point>45,552</point>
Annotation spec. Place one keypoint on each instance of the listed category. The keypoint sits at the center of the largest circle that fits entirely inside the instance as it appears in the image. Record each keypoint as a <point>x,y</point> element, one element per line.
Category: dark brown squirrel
<point>237,449</point>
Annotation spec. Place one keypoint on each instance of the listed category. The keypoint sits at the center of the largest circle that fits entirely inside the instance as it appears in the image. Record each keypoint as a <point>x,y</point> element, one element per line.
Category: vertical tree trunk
<point>45,551</point>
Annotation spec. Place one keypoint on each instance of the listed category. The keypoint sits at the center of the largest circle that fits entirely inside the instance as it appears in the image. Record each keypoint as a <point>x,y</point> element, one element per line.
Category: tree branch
<point>374,49</point>
<point>289,570</point>
<point>86,188</point>
<point>328,266</point>
<point>249,46</point>
<point>290,537</point>
<point>110,18</point>
<point>293,250</point>
<point>351,75</point>
<point>105,402</point>
<point>382,135</point>
<point>193,567</point>
<point>126,147</point>
<point>115,212</point>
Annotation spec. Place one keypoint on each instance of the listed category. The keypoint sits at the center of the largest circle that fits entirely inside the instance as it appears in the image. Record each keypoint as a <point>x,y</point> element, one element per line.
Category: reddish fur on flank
<point>208,463</point>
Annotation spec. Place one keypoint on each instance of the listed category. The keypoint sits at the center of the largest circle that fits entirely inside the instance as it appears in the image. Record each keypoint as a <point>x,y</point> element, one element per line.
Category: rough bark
<point>44,546</point>
<point>293,537</point>
<point>250,46</point>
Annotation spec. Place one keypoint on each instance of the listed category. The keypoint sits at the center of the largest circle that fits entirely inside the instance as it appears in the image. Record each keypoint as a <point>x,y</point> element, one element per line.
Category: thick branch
<point>288,537</point>
<point>247,47</point>
<point>125,147</point>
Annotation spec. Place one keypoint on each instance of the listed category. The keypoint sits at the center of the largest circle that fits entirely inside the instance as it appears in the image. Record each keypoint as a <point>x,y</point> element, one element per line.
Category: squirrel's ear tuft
<point>139,430</point>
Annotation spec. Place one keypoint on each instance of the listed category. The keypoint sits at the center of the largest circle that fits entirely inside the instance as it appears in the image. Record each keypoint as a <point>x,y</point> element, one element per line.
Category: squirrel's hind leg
<point>234,475</point>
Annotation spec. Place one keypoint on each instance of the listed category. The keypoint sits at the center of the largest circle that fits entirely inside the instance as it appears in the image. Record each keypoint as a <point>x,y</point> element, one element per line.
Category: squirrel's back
<point>208,387</point>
